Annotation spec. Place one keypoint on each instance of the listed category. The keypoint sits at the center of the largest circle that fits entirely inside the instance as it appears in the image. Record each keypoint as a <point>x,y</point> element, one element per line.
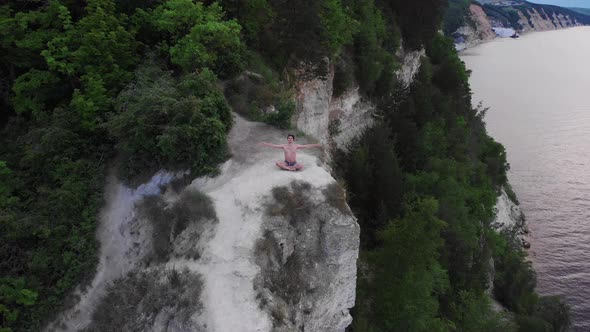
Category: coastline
<point>521,34</point>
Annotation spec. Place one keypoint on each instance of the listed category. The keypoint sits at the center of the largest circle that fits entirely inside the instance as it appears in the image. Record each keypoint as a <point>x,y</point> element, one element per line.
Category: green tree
<point>6,187</point>
<point>13,296</point>
<point>374,45</point>
<point>338,26</point>
<point>472,312</point>
<point>407,273</point>
<point>200,37</point>
<point>97,52</point>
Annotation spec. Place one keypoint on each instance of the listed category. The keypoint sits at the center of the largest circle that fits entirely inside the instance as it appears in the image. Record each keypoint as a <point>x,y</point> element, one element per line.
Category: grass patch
<point>168,222</point>
<point>133,302</point>
<point>292,202</point>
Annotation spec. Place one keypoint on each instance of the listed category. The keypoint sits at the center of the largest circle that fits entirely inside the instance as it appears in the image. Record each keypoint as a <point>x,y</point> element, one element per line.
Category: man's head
<point>290,138</point>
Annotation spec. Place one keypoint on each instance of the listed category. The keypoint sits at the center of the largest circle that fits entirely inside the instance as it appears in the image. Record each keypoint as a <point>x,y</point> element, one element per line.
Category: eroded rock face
<point>509,220</point>
<point>482,22</point>
<point>307,258</point>
<point>543,21</point>
<point>336,121</point>
<point>479,31</point>
<point>124,242</point>
<point>509,215</point>
<point>410,64</point>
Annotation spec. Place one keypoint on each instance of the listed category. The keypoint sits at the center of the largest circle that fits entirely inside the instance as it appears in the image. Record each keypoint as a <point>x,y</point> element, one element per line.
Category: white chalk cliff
<point>252,249</point>
<point>339,119</point>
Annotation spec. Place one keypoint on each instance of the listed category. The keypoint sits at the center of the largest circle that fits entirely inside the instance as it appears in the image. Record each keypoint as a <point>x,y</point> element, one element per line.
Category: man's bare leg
<point>298,167</point>
<point>283,165</point>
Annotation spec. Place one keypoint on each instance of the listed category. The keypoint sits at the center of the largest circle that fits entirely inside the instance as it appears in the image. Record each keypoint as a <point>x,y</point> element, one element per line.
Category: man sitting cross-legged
<point>290,149</point>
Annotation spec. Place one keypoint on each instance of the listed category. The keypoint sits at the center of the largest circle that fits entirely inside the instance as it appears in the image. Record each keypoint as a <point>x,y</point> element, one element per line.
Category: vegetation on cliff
<point>134,84</point>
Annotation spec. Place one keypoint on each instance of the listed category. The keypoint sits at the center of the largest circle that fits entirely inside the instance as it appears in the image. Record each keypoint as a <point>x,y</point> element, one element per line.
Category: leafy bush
<point>406,274</point>
<point>261,97</point>
<point>200,37</point>
<point>282,117</point>
<point>47,235</point>
<point>161,123</point>
<point>338,26</point>
<point>514,280</point>
<point>532,324</point>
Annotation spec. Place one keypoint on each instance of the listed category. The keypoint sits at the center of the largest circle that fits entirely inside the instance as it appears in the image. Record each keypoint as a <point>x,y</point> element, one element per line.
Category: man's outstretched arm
<point>304,146</point>
<point>278,146</point>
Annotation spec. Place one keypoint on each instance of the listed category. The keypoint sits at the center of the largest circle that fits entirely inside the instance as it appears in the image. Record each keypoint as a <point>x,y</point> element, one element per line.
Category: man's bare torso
<point>290,152</point>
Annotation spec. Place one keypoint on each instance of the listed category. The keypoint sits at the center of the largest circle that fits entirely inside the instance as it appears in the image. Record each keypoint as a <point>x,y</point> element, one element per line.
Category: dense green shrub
<point>160,122</point>
<point>374,45</point>
<point>200,37</point>
<point>260,95</point>
<point>374,178</point>
<point>282,116</point>
<point>419,21</point>
<point>47,233</point>
<point>406,274</point>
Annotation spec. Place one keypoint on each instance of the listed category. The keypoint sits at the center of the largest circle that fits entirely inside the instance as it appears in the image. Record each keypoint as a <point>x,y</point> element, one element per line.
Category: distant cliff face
<point>479,31</point>
<point>532,19</point>
<point>496,17</point>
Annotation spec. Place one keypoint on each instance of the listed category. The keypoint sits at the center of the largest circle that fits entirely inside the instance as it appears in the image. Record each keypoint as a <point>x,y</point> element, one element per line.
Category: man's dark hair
<point>291,135</point>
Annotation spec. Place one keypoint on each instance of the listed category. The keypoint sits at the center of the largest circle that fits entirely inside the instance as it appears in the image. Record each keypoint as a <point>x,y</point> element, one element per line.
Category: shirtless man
<point>290,163</point>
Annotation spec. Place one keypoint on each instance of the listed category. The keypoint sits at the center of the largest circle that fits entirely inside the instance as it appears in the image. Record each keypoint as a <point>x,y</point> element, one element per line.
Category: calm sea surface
<point>538,90</point>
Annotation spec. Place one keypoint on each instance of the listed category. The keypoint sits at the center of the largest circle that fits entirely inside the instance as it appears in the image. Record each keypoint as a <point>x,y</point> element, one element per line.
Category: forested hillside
<point>136,86</point>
